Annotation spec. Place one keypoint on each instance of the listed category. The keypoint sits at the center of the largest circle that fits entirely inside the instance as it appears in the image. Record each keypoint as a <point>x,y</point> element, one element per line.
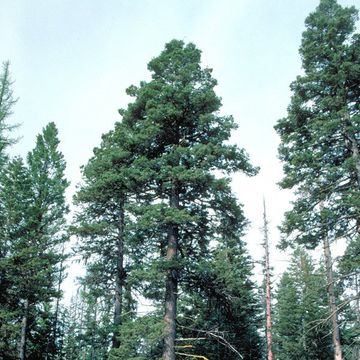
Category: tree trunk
<point>119,277</point>
<point>332,300</point>
<point>267,288</point>
<point>24,324</point>
<point>171,285</point>
<point>57,306</point>
<point>356,348</point>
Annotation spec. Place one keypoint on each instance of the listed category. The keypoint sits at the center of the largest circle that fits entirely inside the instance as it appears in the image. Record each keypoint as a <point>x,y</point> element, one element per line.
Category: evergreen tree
<point>15,197</point>
<point>184,141</point>
<point>349,271</point>
<point>34,208</point>
<point>267,283</point>
<point>320,139</point>
<point>7,101</point>
<point>220,306</point>
<point>320,135</point>
<point>111,180</point>
<point>157,187</point>
<point>72,330</point>
<point>301,327</point>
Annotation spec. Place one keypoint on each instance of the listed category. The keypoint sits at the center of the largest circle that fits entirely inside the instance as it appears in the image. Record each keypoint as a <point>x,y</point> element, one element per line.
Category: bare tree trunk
<point>267,288</point>
<point>24,324</point>
<point>331,295</point>
<point>119,277</point>
<point>171,285</point>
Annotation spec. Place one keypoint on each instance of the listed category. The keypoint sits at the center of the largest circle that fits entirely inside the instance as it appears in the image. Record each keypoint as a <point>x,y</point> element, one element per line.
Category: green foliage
<point>140,339</point>
<point>7,101</point>
<point>301,323</point>
<point>164,169</point>
<point>320,135</point>
<point>32,234</point>
<point>349,271</point>
<point>221,306</point>
<point>104,224</point>
<point>184,141</point>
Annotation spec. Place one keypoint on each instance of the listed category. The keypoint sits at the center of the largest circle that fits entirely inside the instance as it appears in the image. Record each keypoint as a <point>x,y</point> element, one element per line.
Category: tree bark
<point>332,298</point>
<point>356,348</point>
<point>57,306</point>
<point>171,284</point>
<point>24,324</point>
<point>119,277</point>
<point>267,289</point>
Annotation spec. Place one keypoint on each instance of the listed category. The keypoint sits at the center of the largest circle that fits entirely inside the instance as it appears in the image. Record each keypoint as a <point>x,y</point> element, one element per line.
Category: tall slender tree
<point>320,137</point>
<point>7,101</point>
<point>34,208</point>
<point>349,269</point>
<point>111,182</point>
<point>267,272</point>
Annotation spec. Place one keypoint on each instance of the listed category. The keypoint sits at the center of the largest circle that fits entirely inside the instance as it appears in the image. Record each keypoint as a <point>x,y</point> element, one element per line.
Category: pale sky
<point>73,59</point>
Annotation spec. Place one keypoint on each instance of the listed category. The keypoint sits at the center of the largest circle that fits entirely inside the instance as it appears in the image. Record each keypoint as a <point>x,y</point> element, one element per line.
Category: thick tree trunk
<point>24,324</point>
<point>268,289</point>
<point>119,277</point>
<point>171,285</point>
<point>332,300</point>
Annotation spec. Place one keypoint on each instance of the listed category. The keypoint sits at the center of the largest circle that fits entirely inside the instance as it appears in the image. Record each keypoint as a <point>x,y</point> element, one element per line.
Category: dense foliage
<point>32,237</point>
<point>301,329</point>
<point>152,187</point>
<point>160,232</point>
<point>320,136</point>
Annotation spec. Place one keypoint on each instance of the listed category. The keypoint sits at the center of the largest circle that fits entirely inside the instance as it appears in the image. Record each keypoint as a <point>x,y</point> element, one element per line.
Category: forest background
<point>65,87</point>
<point>72,62</point>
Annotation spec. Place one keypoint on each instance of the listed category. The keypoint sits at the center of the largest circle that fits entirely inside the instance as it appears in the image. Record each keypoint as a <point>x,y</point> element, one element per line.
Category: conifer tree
<point>349,271</point>
<point>301,326</point>
<point>184,141</point>
<point>111,180</point>
<point>34,208</point>
<point>320,140</point>
<point>154,175</point>
<point>320,135</point>
<point>268,296</point>
<point>7,101</point>
<point>219,314</point>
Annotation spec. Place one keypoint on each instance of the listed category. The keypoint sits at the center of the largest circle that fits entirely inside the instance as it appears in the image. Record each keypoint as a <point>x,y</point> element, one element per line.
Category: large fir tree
<point>184,140</point>
<point>158,184</point>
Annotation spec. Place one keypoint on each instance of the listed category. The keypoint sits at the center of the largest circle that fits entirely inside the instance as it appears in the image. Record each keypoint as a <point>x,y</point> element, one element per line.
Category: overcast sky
<point>73,59</point>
